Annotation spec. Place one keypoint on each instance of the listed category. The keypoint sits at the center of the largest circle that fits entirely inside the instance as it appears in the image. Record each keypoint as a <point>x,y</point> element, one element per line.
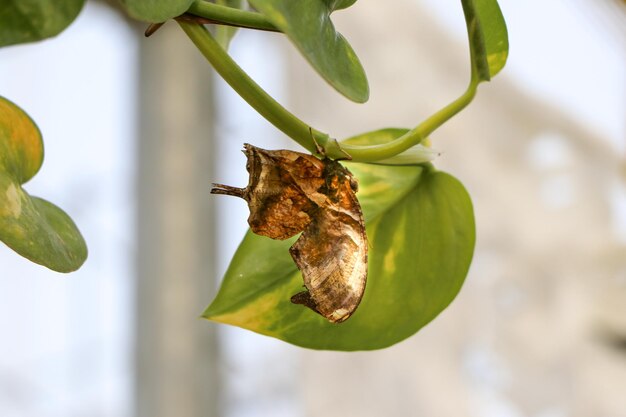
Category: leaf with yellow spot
<point>420,226</point>
<point>33,227</point>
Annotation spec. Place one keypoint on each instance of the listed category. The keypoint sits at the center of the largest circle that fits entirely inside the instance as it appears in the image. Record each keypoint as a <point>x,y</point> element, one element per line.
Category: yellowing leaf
<point>33,227</point>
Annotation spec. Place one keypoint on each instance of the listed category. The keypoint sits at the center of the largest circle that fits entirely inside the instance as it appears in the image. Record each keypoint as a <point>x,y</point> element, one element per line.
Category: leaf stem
<point>250,91</point>
<point>230,16</point>
<point>295,128</point>
<point>412,137</point>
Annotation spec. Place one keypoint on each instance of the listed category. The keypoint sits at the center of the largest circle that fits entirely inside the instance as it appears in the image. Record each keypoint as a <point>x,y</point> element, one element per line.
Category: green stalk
<point>250,91</point>
<point>479,72</point>
<point>230,16</point>
<point>415,136</point>
<point>295,128</point>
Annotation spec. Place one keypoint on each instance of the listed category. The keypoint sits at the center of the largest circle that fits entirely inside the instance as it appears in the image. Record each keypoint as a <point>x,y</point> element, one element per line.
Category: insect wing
<point>278,191</point>
<point>332,256</point>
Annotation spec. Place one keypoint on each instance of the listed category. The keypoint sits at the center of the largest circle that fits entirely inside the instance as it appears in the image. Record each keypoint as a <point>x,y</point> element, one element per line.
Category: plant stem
<point>295,128</point>
<point>479,72</point>
<point>230,16</point>
<point>250,91</point>
<point>414,136</point>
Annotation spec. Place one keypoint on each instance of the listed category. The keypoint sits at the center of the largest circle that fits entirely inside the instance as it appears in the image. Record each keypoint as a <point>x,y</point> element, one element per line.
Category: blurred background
<point>136,129</point>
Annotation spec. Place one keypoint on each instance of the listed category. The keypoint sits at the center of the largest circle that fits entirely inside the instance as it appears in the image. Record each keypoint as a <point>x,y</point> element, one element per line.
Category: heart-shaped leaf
<point>33,227</point>
<point>155,11</point>
<point>488,38</point>
<point>308,25</point>
<point>420,227</point>
<point>32,20</point>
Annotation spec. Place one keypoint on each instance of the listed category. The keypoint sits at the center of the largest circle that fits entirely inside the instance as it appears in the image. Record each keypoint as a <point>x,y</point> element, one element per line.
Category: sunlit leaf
<point>308,25</point>
<point>489,43</point>
<point>33,227</point>
<point>155,11</point>
<point>421,234</point>
<point>32,20</point>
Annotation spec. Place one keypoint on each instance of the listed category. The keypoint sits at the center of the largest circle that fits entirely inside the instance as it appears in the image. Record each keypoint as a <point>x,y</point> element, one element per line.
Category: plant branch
<point>250,91</point>
<point>415,136</point>
<point>230,16</point>
<point>295,128</point>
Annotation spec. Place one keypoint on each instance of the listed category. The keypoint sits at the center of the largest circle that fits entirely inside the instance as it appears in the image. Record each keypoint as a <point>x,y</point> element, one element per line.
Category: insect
<point>291,192</point>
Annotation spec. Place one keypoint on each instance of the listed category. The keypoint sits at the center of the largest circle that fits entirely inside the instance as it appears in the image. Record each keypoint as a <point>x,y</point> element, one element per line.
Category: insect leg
<point>304,298</point>
<point>228,190</point>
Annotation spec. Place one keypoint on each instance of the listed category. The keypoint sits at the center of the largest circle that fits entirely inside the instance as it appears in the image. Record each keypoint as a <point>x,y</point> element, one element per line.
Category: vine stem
<point>414,136</point>
<point>295,128</point>
<point>250,91</point>
<point>230,16</point>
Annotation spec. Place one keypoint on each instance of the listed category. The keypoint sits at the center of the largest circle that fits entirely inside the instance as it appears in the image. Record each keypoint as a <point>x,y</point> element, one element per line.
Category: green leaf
<point>340,4</point>
<point>33,227</point>
<point>224,34</point>
<point>307,24</point>
<point>32,20</point>
<point>489,42</point>
<point>421,234</point>
<point>155,11</point>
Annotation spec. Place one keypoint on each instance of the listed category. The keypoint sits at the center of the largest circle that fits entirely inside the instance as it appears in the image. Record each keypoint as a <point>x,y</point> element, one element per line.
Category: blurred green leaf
<point>308,25</point>
<point>155,11</point>
<point>489,42</point>
<point>421,234</point>
<point>32,20</point>
<point>223,33</point>
<point>33,227</point>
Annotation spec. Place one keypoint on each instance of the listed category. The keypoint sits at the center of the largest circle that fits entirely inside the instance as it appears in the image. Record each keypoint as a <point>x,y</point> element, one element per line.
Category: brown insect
<point>291,192</point>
